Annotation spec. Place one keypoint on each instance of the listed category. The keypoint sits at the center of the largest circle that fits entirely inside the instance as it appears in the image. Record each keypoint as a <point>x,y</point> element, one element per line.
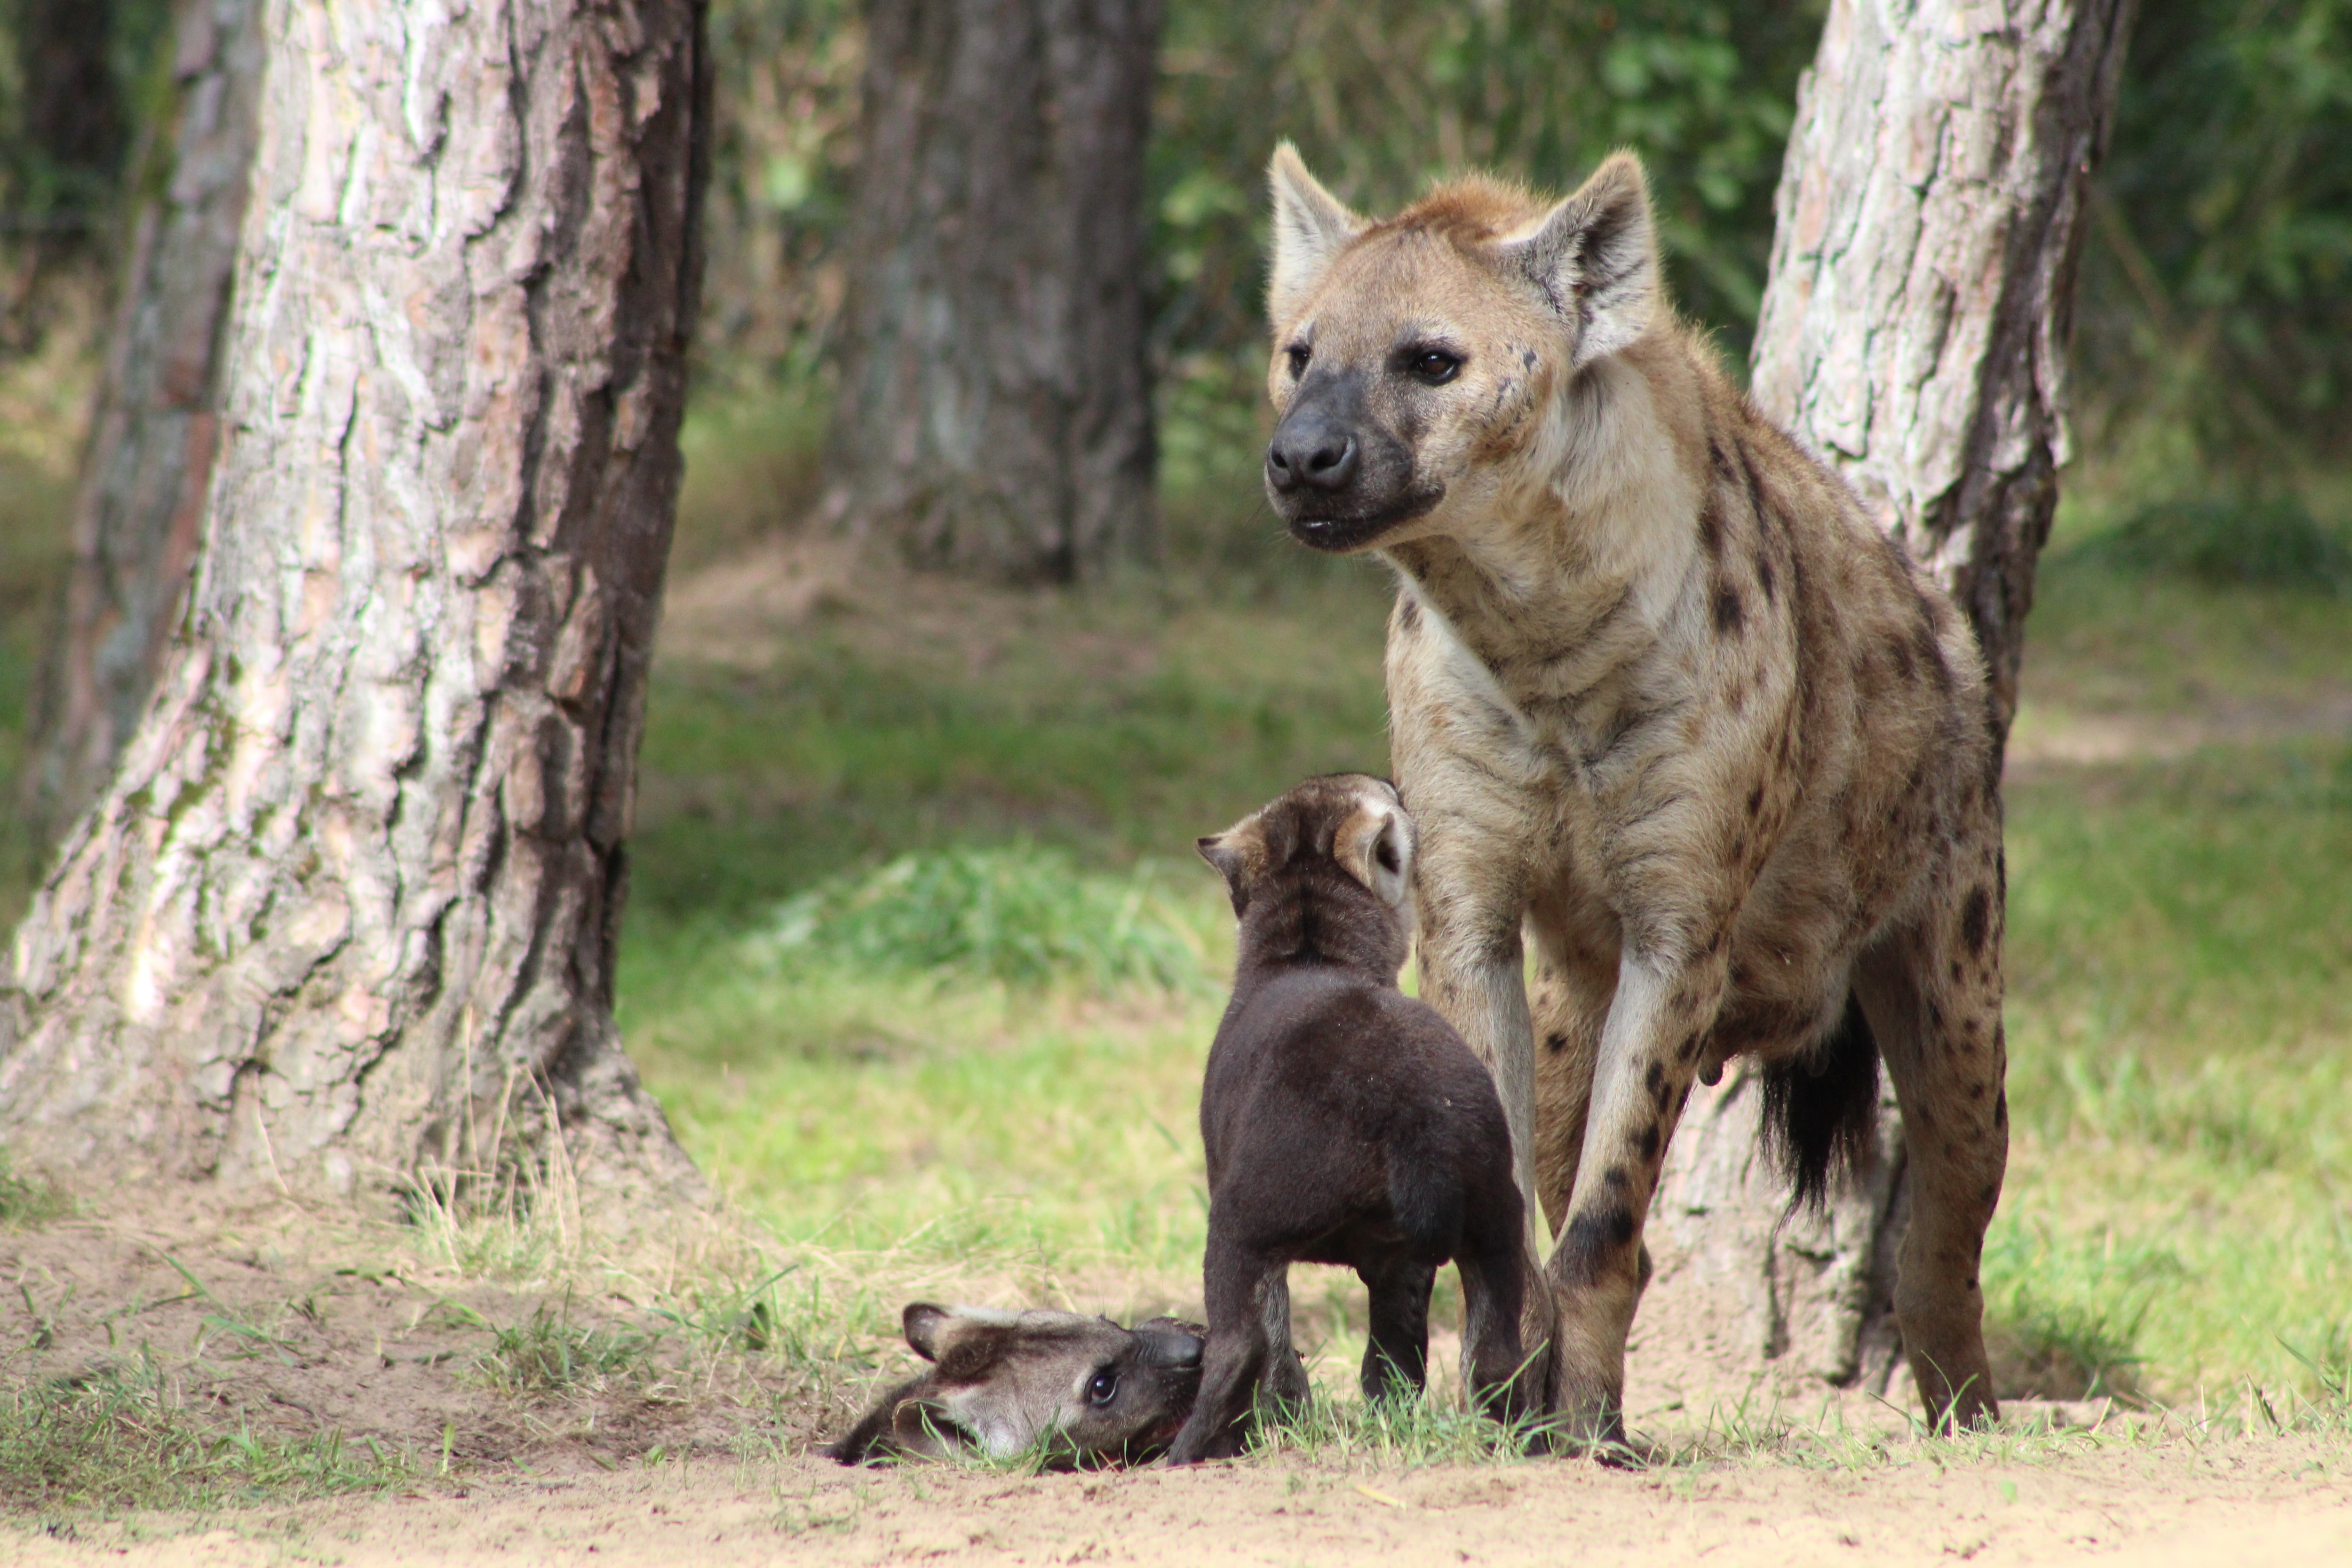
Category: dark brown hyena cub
<point>1083,1390</point>
<point>1345,1121</point>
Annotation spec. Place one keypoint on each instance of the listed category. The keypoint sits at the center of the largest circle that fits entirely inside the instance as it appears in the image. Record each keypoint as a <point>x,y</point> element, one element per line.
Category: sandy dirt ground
<point>712,1465</point>
<point>2279,1502</point>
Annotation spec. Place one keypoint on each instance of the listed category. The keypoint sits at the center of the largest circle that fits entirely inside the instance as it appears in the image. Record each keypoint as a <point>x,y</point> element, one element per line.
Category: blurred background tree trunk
<point>1914,333</point>
<point>994,414</point>
<point>347,910</point>
<point>155,429</point>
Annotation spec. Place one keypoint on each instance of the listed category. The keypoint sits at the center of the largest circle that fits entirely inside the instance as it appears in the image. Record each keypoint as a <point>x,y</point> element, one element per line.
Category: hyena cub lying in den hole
<point>1082,1390</point>
<point>1345,1122</point>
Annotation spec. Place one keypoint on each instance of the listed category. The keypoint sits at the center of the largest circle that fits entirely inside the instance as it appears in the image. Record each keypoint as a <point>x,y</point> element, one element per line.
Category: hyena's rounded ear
<point>1311,227</point>
<point>1595,257</point>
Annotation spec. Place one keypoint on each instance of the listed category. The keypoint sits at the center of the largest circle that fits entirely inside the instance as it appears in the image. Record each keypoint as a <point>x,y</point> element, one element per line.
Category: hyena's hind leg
<point>1932,993</point>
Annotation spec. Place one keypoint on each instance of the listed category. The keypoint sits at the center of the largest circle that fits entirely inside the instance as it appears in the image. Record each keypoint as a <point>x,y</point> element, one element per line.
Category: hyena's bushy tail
<point>1821,1110</point>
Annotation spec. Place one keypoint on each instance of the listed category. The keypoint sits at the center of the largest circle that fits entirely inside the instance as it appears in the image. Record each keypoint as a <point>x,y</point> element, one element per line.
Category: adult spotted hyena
<point>1664,701</point>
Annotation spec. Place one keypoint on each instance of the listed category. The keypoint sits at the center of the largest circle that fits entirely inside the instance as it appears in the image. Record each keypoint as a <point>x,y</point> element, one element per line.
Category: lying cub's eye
<point>1299,355</point>
<point>1104,1388</point>
<point>1436,366</point>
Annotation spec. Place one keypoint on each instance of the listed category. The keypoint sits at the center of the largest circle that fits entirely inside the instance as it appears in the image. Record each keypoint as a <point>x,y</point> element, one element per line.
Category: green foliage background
<point>2214,344</point>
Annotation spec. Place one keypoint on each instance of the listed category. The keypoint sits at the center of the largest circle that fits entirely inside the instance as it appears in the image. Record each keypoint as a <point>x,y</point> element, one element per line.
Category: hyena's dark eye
<point>1104,1388</point>
<point>1299,355</point>
<point>1434,367</point>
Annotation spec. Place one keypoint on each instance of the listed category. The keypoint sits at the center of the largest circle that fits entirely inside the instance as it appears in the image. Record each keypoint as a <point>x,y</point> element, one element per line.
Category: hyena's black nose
<point>1313,453</point>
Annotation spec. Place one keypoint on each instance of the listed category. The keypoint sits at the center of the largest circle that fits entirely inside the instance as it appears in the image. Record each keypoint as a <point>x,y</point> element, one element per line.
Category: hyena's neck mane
<point>1586,564</point>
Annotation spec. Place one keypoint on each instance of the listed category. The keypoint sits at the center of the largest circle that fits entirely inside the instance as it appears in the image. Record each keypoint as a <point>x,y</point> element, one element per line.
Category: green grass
<point>122,1439</point>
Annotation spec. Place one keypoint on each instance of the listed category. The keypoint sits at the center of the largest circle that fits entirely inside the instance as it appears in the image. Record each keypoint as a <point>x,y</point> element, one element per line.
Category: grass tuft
<point>28,1200</point>
<point>1404,1431</point>
<point>547,1355</point>
<point>1023,915</point>
<point>119,1438</point>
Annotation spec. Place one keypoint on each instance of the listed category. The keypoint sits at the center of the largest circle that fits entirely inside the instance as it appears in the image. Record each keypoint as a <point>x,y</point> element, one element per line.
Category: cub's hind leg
<point>1932,993</point>
<point>1397,1359</point>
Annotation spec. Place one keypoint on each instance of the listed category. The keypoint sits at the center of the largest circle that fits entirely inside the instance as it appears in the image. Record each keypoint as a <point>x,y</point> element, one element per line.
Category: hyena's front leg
<point>1471,971</point>
<point>1649,1051</point>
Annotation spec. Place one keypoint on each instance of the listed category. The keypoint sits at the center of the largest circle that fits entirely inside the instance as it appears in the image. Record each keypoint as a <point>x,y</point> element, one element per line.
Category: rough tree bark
<point>347,910</point>
<point>994,411</point>
<point>1913,332</point>
<point>155,428</point>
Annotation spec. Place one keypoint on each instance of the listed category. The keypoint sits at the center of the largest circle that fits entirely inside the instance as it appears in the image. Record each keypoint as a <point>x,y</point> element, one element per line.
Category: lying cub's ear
<point>964,1341</point>
<point>1375,844</point>
<point>1239,855</point>
<point>923,1321</point>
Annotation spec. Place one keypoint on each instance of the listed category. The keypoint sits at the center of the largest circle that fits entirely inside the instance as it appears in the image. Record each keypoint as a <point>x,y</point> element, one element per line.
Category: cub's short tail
<point>1820,1111</point>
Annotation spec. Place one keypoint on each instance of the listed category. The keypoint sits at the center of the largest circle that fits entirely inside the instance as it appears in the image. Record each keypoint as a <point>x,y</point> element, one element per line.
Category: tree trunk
<point>347,910</point>
<point>994,411</point>
<point>155,429</point>
<point>1913,332</point>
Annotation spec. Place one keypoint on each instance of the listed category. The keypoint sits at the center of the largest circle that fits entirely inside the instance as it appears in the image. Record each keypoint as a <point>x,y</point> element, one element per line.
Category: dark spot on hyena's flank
<point>1556,1042</point>
<point>1710,532</point>
<point>1656,1080</point>
<point>1647,1142</point>
<point>2001,872</point>
<point>1755,801</point>
<point>1689,1049</point>
<point>1616,1180</point>
<point>2000,1109</point>
<point>1592,1239</point>
<point>1976,919</point>
<point>1989,1194</point>
<point>1764,576</point>
<point>1729,610</point>
<point>1409,614</point>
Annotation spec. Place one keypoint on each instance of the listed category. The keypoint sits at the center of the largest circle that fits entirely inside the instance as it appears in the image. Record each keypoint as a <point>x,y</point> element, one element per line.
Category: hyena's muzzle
<point>1336,474</point>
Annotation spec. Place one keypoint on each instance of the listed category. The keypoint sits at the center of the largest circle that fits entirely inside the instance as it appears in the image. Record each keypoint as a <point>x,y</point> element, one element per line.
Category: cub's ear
<point>1310,228</point>
<point>963,1342</point>
<point>1376,844</point>
<point>1595,256</point>
<point>923,1321</point>
<point>1239,855</point>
